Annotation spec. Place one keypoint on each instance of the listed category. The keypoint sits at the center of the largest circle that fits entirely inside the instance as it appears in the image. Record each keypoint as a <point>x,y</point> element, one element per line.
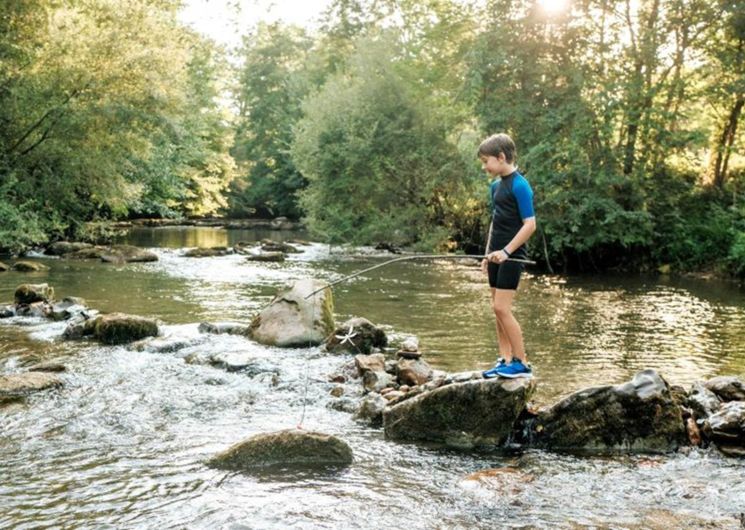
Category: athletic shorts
<point>504,275</point>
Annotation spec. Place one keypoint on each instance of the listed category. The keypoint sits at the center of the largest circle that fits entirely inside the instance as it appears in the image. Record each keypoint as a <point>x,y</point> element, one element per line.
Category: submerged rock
<point>4,267</point>
<point>371,409</point>
<point>37,309</point>
<point>727,388</point>
<point>47,367</point>
<point>639,415</point>
<point>68,308</point>
<point>118,328</point>
<point>86,253</point>
<point>356,335</point>
<point>127,254</point>
<point>219,328</point>
<point>266,257</point>
<point>29,266</point>
<point>19,385</point>
<point>61,248</point>
<point>275,246</point>
<point>289,447</point>
<point>7,311</point>
<point>293,319</point>
<point>471,414</point>
<point>207,252</point>
<point>30,293</point>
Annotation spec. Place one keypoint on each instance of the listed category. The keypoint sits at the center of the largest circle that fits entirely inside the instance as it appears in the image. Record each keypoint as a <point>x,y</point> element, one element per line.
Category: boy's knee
<point>501,310</point>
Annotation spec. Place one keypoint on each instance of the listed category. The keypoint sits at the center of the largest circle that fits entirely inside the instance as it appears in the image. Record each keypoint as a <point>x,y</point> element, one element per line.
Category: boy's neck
<point>509,170</point>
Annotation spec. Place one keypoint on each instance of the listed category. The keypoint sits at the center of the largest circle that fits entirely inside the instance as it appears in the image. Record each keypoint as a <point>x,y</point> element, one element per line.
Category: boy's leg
<point>502,304</point>
<point>505,351</point>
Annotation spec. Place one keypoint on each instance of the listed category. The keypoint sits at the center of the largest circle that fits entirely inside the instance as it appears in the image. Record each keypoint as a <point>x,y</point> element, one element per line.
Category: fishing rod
<point>418,256</point>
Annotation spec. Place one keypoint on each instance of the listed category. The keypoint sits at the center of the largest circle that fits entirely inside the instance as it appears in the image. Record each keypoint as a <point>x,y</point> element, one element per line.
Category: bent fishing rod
<point>416,256</point>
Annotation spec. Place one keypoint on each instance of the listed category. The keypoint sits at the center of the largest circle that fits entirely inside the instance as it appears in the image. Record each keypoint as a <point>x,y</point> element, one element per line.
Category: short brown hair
<point>499,143</point>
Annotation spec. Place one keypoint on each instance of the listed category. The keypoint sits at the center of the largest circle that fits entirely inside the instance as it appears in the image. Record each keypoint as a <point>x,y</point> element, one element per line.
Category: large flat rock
<point>19,385</point>
<point>475,413</point>
<point>638,416</point>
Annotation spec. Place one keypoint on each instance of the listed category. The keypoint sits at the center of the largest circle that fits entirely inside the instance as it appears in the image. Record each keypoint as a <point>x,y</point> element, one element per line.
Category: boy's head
<point>497,154</point>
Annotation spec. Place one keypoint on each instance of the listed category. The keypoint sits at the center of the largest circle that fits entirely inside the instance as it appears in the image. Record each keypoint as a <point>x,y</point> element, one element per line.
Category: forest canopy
<point>626,114</point>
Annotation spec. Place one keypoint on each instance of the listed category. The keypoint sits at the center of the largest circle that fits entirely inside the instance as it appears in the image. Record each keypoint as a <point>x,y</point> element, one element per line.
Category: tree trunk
<point>723,147</point>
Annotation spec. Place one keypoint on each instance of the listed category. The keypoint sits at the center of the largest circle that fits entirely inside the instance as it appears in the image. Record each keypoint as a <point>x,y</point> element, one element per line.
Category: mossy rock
<point>118,328</point>
<point>127,254</point>
<point>86,253</point>
<point>29,266</point>
<point>29,293</point>
<point>61,248</point>
<point>291,447</point>
<point>207,252</point>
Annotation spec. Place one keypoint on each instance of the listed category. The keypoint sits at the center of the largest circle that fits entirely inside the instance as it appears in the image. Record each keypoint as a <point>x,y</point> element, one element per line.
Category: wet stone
<point>337,391</point>
<point>19,385</point>
<point>7,311</point>
<point>4,267</point>
<point>37,309</point>
<point>65,247</point>
<point>369,363</point>
<point>292,447</point>
<point>727,388</point>
<point>219,328</point>
<point>127,254</point>
<point>702,401</point>
<point>207,252</point>
<point>356,335</point>
<point>371,409</point>
<point>47,367</point>
<point>413,372</point>
<point>271,257</point>
<point>375,381</point>
<point>29,293</point>
<point>29,266</point>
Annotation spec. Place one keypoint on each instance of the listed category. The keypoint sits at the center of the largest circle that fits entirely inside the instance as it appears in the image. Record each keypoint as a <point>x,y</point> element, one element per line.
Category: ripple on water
<point>123,443</point>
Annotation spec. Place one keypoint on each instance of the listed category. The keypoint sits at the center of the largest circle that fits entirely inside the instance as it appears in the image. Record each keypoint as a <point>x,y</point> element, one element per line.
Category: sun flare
<point>553,6</point>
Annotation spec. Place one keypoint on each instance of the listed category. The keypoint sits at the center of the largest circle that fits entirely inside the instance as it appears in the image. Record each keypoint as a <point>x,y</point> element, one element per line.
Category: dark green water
<point>122,444</point>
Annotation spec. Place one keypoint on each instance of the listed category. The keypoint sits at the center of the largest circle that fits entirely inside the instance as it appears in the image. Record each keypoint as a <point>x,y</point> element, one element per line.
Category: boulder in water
<point>371,409</point>
<point>118,328</point>
<point>296,319</point>
<point>4,267</point>
<point>272,257</point>
<point>30,293</point>
<point>68,308</point>
<point>61,248</point>
<point>275,246</point>
<point>639,416</point>
<point>7,311</point>
<point>471,414</point>
<point>86,253</point>
<point>702,401</point>
<point>220,328</point>
<point>727,428</point>
<point>375,381</point>
<point>356,335</point>
<point>207,252</point>
<point>127,254</point>
<point>727,388</point>
<point>28,266</point>
<point>37,309</point>
<point>20,385</point>
<point>291,447</point>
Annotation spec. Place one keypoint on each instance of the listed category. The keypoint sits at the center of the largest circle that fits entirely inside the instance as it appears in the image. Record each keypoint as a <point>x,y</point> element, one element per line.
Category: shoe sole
<point>516,376</point>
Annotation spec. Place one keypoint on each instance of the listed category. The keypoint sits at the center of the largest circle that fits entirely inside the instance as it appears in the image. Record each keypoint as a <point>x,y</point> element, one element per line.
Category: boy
<point>512,224</point>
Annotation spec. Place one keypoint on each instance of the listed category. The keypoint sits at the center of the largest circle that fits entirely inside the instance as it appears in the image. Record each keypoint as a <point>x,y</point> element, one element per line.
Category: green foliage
<point>375,154</point>
<point>737,255</point>
<point>277,73</point>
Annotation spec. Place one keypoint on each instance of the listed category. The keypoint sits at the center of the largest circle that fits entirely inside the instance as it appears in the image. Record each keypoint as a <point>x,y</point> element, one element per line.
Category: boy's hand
<point>484,266</point>
<point>497,256</point>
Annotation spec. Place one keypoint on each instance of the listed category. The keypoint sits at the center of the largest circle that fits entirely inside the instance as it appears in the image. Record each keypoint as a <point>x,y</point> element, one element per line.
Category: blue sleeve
<point>524,195</point>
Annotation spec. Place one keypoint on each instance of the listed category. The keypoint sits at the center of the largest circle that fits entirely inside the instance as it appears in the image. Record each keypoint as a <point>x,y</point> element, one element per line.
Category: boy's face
<point>495,165</point>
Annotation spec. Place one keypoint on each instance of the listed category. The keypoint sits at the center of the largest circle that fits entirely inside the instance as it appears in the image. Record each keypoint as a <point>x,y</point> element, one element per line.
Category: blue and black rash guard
<point>511,200</point>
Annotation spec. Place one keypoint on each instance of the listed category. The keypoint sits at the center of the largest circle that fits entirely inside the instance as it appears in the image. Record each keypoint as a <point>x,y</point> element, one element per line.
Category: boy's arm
<point>519,240</point>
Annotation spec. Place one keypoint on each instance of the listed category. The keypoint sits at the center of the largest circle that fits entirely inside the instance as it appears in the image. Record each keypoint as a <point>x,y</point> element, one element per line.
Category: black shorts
<point>504,275</point>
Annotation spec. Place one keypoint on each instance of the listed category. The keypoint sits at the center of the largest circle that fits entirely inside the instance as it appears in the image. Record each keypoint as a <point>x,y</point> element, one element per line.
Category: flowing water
<point>123,444</point>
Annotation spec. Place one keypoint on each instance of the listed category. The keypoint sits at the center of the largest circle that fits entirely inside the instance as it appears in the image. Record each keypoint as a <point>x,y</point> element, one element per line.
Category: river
<point>123,444</point>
